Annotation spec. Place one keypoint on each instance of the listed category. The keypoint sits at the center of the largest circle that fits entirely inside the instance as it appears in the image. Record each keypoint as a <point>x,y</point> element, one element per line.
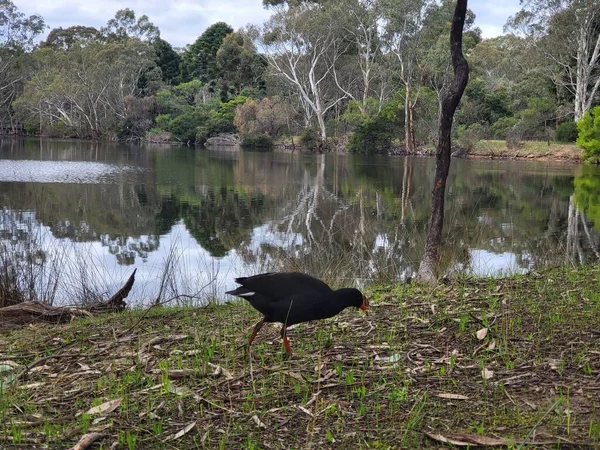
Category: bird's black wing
<point>278,285</point>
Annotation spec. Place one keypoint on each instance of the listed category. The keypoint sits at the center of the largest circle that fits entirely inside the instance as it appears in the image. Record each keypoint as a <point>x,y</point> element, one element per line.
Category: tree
<point>86,91</point>
<point>239,65</point>
<point>403,26</point>
<point>302,46</point>
<point>567,35</point>
<point>64,39</point>
<point>124,26</point>
<point>168,60</point>
<point>200,58</point>
<point>17,37</point>
<point>361,29</point>
<point>451,99</point>
<point>17,31</point>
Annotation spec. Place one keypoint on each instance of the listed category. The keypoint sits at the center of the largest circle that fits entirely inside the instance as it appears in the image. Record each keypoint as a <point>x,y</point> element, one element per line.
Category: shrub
<point>309,139</point>
<point>589,135</point>
<point>261,141</point>
<point>514,139</point>
<point>503,126</point>
<point>566,132</point>
<point>468,137</point>
<point>372,136</point>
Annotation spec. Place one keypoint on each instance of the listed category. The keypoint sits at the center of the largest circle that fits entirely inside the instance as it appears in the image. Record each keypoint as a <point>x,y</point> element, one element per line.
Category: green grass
<point>180,380</point>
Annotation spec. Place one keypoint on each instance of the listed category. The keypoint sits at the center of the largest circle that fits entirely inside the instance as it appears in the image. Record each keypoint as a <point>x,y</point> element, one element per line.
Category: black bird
<point>291,297</point>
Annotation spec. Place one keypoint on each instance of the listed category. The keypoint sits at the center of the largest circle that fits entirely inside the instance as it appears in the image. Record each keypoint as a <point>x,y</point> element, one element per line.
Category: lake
<point>80,216</point>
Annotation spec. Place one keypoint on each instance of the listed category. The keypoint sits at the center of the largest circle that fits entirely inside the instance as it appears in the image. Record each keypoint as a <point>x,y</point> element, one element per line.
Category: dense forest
<point>363,75</point>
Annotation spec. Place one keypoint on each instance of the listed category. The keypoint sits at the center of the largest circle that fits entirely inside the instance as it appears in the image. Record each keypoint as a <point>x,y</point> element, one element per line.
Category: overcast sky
<point>182,21</point>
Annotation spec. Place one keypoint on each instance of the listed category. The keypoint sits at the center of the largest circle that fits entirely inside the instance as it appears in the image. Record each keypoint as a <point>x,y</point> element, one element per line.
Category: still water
<point>80,216</point>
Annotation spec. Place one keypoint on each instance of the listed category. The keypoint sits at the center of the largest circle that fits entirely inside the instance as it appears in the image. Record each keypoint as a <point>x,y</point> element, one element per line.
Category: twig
<point>554,405</point>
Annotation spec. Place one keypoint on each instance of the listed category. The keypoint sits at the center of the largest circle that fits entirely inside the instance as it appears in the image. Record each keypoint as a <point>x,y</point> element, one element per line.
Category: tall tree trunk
<point>450,101</point>
<point>409,125</point>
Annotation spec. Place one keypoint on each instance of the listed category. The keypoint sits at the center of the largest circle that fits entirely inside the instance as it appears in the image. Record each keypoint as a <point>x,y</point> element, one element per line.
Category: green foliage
<point>468,137</point>
<point>17,31</point>
<point>375,135</point>
<point>566,132</point>
<point>372,136</point>
<point>261,141</point>
<point>125,26</point>
<point>200,59</point>
<point>184,126</point>
<point>503,126</point>
<point>168,60</point>
<point>589,135</point>
<point>65,39</point>
<point>239,66</point>
<point>310,139</point>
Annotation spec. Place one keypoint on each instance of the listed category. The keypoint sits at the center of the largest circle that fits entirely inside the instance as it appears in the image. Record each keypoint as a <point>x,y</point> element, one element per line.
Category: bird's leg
<point>255,331</point>
<point>286,343</point>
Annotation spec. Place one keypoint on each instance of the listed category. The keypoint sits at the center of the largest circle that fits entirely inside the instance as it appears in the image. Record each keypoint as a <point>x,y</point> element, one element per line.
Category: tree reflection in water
<point>204,217</point>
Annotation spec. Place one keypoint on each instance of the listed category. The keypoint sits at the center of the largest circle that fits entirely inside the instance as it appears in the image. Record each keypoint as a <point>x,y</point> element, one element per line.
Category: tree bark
<point>428,267</point>
<point>409,126</point>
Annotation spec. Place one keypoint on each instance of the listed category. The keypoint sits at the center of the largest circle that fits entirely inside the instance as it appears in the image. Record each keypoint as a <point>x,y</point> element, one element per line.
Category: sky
<point>182,21</point>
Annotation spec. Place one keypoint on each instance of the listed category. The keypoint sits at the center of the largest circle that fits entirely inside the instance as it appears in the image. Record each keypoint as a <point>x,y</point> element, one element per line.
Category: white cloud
<point>181,22</point>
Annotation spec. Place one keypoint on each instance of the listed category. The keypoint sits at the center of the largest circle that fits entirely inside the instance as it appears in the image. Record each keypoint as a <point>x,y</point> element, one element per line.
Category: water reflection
<point>200,218</point>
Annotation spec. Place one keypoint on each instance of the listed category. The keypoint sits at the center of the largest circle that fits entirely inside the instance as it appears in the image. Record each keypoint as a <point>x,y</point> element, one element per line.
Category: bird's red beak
<point>364,305</point>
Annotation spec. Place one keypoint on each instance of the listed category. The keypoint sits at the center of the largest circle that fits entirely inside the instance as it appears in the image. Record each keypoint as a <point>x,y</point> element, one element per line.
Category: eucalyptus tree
<point>362,30</point>
<point>403,26</point>
<point>567,35</point>
<point>303,45</point>
<point>17,39</point>
<point>125,26</point>
<point>66,38</point>
<point>86,91</point>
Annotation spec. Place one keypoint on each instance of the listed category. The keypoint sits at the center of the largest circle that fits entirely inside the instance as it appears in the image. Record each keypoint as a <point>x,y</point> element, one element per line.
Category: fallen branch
<point>25,313</point>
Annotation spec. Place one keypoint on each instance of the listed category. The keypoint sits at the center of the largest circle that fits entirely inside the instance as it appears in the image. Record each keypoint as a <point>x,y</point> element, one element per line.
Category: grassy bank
<point>528,150</point>
<point>515,359</point>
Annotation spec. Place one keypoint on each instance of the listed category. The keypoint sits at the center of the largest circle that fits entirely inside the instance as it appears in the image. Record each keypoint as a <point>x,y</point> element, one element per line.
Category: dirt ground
<point>513,363</point>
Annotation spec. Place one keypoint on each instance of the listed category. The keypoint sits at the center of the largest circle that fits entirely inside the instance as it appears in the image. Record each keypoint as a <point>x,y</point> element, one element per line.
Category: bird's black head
<point>353,297</point>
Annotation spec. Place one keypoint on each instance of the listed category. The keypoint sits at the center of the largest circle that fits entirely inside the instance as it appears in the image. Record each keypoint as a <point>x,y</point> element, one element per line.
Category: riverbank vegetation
<point>368,81</point>
<point>511,361</point>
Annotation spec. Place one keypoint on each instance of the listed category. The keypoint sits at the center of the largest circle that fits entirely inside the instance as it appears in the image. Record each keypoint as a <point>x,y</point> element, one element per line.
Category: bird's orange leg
<point>256,329</point>
<point>286,343</point>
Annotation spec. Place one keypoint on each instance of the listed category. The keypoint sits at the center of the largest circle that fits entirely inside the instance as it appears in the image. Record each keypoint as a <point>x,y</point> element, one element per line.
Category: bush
<point>261,141</point>
<point>566,132</point>
<point>514,139</point>
<point>310,139</point>
<point>372,136</point>
<point>468,137</point>
<point>503,126</point>
<point>184,127</point>
<point>589,135</point>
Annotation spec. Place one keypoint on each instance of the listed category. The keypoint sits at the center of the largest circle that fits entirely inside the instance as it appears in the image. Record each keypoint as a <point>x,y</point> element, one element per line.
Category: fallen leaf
<point>492,345</point>
<point>453,396</point>
<point>181,433</point>
<point>258,422</point>
<point>87,440</point>
<point>487,374</point>
<point>106,407</point>
<point>466,440</point>
<point>481,334</point>
<point>294,375</point>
